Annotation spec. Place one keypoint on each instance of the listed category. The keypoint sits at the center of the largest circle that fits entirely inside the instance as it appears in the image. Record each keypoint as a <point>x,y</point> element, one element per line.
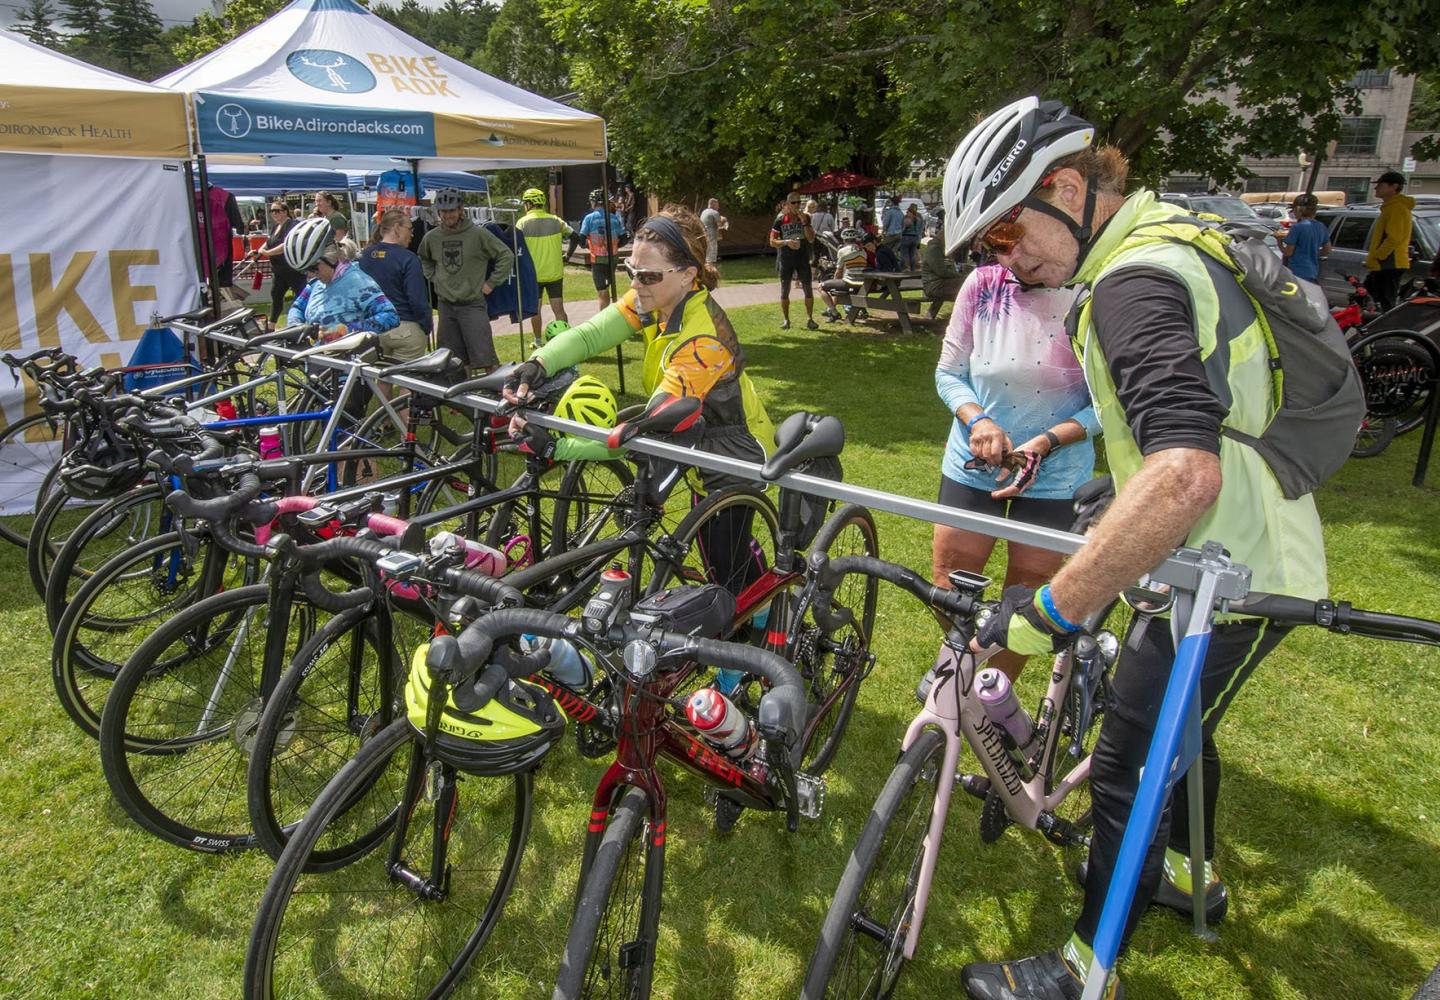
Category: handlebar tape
<point>328,600</point>
<point>216,510</point>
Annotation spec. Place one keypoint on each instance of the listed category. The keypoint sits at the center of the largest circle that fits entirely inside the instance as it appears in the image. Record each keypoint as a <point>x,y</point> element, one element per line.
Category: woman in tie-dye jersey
<point>1009,378</point>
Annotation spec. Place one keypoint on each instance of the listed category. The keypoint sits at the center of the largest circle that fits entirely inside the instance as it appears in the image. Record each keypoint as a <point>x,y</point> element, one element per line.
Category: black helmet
<point>597,197</point>
<point>1306,201</point>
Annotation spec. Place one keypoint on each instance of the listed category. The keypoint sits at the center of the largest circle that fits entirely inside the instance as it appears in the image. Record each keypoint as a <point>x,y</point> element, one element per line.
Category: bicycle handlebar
<point>829,573</point>
<point>460,659</point>
<point>1339,616</point>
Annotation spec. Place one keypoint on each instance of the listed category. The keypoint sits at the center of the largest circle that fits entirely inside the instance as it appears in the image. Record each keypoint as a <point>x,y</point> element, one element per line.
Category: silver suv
<point>1350,241</point>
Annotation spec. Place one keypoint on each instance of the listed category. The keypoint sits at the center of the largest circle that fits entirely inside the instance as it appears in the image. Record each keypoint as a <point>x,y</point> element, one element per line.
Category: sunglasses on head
<point>641,276</point>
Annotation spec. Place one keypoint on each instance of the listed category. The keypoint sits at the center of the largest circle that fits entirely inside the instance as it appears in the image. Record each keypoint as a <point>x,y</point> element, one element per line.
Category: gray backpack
<point>1321,402</point>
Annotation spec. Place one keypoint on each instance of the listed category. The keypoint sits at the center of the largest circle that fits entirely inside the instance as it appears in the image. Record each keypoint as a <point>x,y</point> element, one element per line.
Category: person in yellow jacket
<point>545,236</point>
<point>1389,255</point>
<point>690,350</point>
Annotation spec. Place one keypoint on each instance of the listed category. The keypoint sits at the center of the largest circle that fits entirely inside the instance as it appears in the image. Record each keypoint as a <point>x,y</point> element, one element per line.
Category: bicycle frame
<point>953,710</point>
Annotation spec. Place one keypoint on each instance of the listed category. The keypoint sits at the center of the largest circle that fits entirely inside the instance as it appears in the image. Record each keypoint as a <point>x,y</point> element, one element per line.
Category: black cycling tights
<point>1129,724</point>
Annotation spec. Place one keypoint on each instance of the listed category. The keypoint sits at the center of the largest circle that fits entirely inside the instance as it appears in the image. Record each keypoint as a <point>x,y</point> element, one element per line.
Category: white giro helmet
<point>307,243</point>
<point>1003,160</point>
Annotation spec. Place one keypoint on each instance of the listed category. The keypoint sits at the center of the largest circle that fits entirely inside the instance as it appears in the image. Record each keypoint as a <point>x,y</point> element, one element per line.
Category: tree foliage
<point>748,96</point>
<point>37,23</point>
<point>459,28</point>
<point>208,32</point>
<point>520,48</point>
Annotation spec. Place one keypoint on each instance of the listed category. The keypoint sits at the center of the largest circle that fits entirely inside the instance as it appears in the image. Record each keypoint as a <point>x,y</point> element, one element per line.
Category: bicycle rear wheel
<point>29,450</point>
<point>116,610</point>
<point>358,931</point>
<point>835,662</point>
<point>178,727</point>
<point>611,948</point>
<point>859,953</point>
<point>729,539</point>
<point>111,528</point>
<point>54,522</point>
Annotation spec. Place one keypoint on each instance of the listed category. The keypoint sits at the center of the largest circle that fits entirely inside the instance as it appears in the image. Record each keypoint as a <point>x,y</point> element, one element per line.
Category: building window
<point>1370,79</point>
<point>1355,188</point>
<point>1187,184</point>
<point>1358,136</point>
<point>1281,183</point>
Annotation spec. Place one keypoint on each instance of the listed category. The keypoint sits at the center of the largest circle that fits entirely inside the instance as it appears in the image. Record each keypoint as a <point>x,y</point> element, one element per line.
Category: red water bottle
<point>720,723</point>
<point>225,410</point>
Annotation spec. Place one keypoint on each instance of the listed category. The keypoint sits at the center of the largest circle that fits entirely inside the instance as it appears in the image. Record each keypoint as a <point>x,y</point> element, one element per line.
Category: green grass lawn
<point>1329,825</point>
<point>733,271</point>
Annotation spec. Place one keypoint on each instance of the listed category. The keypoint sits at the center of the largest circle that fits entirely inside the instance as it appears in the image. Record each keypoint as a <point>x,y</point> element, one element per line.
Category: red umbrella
<point>838,180</point>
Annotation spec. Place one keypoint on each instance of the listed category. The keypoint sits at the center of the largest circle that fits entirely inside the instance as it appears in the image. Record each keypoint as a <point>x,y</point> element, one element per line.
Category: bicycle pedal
<point>811,791</point>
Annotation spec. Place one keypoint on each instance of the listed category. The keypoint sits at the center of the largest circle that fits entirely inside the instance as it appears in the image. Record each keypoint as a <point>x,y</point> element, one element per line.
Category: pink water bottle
<point>270,446</point>
<point>1002,706</point>
<point>720,723</point>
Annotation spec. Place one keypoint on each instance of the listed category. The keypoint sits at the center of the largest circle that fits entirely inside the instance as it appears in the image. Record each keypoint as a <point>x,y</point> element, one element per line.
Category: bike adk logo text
<point>326,69</point>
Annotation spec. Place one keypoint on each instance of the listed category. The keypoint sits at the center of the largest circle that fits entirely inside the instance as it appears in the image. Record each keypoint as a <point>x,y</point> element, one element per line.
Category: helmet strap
<point>1083,233</point>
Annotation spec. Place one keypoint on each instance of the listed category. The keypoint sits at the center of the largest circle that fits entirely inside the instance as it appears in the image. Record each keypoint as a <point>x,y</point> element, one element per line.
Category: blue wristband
<point>982,415</point>
<point>1048,603</point>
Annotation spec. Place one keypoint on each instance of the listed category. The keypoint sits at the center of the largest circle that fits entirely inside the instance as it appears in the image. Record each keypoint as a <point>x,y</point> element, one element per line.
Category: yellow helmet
<point>533,196</point>
<point>588,401</point>
<point>509,733</point>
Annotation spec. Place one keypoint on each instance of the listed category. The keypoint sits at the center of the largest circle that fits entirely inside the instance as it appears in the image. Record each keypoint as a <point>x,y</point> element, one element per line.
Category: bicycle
<point>874,922</point>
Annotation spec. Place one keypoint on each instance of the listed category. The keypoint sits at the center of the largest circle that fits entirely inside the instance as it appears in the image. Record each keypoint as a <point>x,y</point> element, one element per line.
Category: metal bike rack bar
<point>1201,579</point>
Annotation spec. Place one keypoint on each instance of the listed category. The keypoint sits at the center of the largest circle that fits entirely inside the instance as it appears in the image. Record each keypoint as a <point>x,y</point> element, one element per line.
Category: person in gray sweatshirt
<point>456,257</point>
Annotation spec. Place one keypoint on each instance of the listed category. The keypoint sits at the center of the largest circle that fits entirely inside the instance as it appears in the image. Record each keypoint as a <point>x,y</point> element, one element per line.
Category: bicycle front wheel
<point>859,954</point>
<point>178,727</point>
<point>333,699</point>
<point>358,931</point>
<point>834,662</point>
<point>611,949</point>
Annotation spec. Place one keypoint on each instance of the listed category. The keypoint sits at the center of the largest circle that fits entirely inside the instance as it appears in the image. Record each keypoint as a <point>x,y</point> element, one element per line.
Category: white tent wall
<point>91,250</point>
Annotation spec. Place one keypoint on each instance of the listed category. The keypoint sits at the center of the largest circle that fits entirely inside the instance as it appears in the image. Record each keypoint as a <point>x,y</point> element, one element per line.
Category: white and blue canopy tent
<point>328,84</point>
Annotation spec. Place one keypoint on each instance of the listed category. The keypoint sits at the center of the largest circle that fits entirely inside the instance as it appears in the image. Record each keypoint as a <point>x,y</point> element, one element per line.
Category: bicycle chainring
<point>993,818</point>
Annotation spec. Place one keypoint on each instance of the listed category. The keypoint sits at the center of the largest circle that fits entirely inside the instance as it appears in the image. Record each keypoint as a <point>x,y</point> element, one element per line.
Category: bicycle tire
<point>178,725</point>
<point>325,707</point>
<point>95,541</point>
<point>1430,988</point>
<point>84,661</point>
<point>697,566</point>
<point>828,660</point>
<point>54,522</point>
<point>592,965</point>
<point>335,910</point>
<point>20,461</point>
<point>1408,399</point>
<point>882,843</point>
<point>1374,436</point>
<point>587,507</point>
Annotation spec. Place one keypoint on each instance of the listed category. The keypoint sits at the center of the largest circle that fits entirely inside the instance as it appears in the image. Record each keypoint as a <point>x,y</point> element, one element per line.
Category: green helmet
<point>533,196</point>
<point>554,328</point>
<point>588,401</point>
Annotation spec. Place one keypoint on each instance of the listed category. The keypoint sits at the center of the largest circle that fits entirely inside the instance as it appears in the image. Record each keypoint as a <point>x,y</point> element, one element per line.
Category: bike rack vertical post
<point>610,245</point>
<point>207,241</point>
<point>1214,579</point>
<point>1432,416</point>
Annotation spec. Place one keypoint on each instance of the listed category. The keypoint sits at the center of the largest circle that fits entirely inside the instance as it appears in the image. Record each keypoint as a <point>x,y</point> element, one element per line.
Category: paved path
<point>729,296</point>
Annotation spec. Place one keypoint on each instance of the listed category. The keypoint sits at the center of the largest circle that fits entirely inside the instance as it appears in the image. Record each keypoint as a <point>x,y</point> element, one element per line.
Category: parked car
<point>1229,208</point>
<point>1275,211</point>
<point>1350,240</point>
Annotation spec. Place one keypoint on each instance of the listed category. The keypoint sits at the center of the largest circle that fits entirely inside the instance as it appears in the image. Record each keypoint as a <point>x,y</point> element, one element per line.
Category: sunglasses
<point>640,276</point>
<point>277,208</point>
<point>1005,235</point>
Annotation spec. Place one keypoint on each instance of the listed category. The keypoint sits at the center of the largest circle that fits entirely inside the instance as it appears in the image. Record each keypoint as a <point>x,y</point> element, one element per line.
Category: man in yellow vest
<point>545,236</point>
<point>1175,355</point>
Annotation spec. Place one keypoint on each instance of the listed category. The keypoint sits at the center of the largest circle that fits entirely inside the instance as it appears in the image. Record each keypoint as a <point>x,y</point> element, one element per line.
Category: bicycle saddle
<point>286,335</point>
<point>802,437</point>
<point>1091,500</point>
<point>351,343</point>
<point>438,362</point>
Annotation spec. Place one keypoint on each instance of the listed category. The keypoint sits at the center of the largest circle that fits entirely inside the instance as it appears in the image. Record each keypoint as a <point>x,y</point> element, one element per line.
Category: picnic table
<point>882,294</point>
